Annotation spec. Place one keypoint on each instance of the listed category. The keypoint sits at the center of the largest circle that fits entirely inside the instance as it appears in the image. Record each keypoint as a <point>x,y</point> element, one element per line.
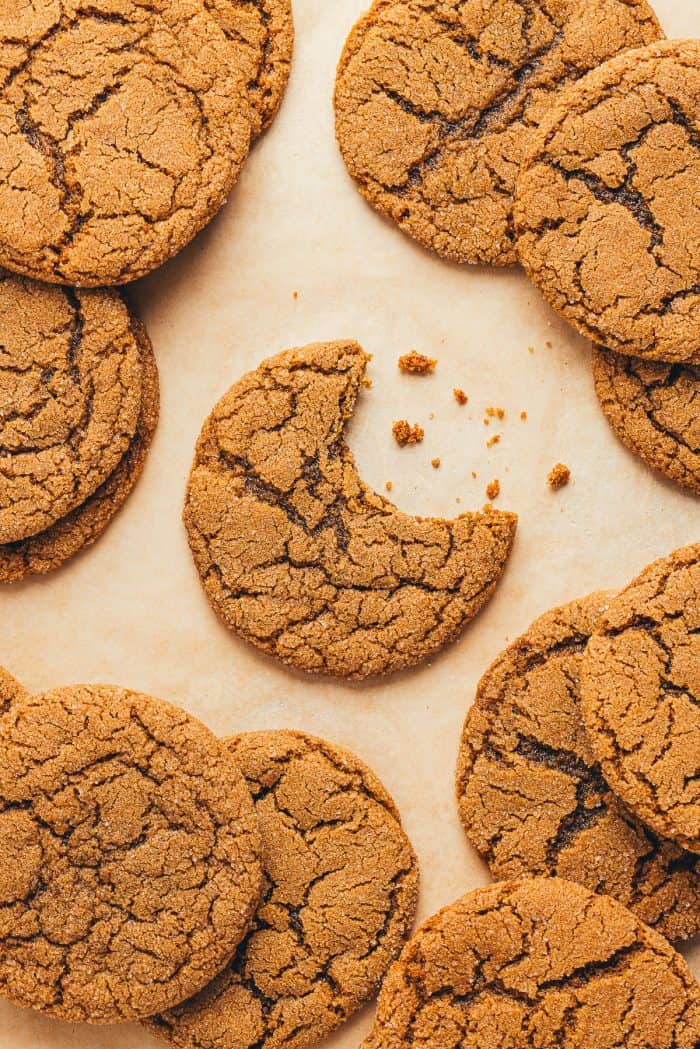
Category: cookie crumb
<point>548,344</point>
<point>493,489</point>
<point>474,474</point>
<point>417,363</point>
<point>493,440</point>
<point>531,349</point>
<point>558,476</point>
<point>367,383</point>
<point>296,294</point>
<point>460,396</point>
<point>432,415</point>
<point>435,463</point>
<point>495,413</point>
<point>389,485</point>
<point>405,434</point>
<point>523,416</point>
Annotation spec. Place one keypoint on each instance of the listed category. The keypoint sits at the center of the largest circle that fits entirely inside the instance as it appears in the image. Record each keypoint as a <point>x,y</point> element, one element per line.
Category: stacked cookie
<point>253,889</point>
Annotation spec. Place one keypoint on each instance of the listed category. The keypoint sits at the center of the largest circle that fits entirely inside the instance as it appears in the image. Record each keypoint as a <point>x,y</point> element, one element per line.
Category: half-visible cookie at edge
<point>123,127</point>
<point>263,33</point>
<point>130,854</point>
<point>654,409</point>
<point>436,104</point>
<point>607,205</point>
<point>532,797</point>
<point>10,690</point>
<point>341,884</point>
<point>50,549</point>
<point>640,692</point>
<point>70,396</point>
<point>299,556</point>
<point>540,962</point>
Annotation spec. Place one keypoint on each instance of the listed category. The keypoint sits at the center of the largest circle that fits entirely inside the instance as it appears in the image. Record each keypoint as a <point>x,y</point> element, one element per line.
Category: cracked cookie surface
<point>341,884</point>
<point>130,854</point>
<point>640,691</point>
<point>436,105</point>
<point>654,409</point>
<point>537,963</point>
<point>532,797</point>
<point>263,33</point>
<point>10,690</point>
<point>299,556</point>
<point>607,205</point>
<point>123,126</point>
<point>70,395</point>
<point>48,550</point>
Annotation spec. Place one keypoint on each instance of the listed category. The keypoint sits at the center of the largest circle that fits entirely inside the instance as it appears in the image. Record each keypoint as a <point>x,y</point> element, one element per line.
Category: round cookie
<point>654,409</point>
<point>48,550</point>
<point>10,690</point>
<point>70,395</point>
<point>640,696</point>
<point>299,556</point>
<point>532,798</point>
<point>123,126</point>
<point>341,884</point>
<point>436,105</point>
<point>130,854</point>
<point>607,209</point>
<point>539,962</point>
<point>263,33</point>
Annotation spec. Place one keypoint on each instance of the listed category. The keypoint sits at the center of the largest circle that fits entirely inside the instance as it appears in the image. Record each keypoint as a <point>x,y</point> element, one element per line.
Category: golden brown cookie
<point>608,210</point>
<point>341,885</point>
<point>263,33</point>
<point>299,556</point>
<point>654,409</point>
<point>10,690</point>
<point>640,696</point>
<point>532,797</point>
<point>123,126</point>
<point>48,550</point>
<point>129,854</point>
<point>70,396</point>
<point>437,103</point>
<point>542,963</point>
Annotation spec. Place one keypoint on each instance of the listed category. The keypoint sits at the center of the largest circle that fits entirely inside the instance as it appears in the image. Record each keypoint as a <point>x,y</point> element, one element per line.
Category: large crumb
<point>558,476</point>
<point>493,489</point>
<point>460,396</point>
<point>417,363</point>
<point>405,434</point>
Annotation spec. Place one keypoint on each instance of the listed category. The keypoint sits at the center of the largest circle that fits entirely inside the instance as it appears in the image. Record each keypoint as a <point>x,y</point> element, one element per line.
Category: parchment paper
<point>130,611</point>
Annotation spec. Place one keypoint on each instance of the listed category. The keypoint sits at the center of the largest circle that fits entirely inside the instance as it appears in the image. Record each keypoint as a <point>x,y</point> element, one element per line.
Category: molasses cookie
<point>608,211</point>
<point>640,692</point>
<point>123,126</point>
<point>532,797</point>
<point>70,396</point>
<point>299,556</point>
<point>341,884</point>
<point>436,105</point>
<point>654,409</point>
<point>48,550</point>
<point>130,854</point>
<point>539,962</point>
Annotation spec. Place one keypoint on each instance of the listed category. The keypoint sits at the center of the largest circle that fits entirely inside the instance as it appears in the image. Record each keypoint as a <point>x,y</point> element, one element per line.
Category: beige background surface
<point>130,611</point>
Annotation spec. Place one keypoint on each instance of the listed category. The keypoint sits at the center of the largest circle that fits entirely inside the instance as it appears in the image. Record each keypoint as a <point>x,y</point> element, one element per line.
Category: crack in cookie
<point>607,205</point>
<point>436,104</point>
<point>299,556</point>
<point>341,885</point>
<point>532,797</point>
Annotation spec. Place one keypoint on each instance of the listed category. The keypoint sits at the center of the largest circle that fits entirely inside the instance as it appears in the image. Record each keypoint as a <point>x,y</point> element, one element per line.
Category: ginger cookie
<point>123,126</point>
<point>532,797</point>
<point>540,962</point>
<point>654,409</point>
<point>263,32</point>
<point>608,211</point>
<point>48,550</point>
<point>341,884</point>
<point>640,696</point>
<point>299,556</point>
<point>10,690</point>
<point>70,395</point>
<point>130,854</point>
<point>436,105</point>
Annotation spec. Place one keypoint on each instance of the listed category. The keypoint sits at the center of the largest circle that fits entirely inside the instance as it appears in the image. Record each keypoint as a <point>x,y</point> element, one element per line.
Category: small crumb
<point>432,415</point>
<point>523,416</point>
<point>495,413</point>
<point>296,294</point>
<point>389,485</point>
<point>548,344</point>
<point>487,422</point>
<point>474,474</point>
<point>458,500</point>
<point>493,440</point>
<point>417,363</point>
<point>558,476</point>
<point>435,463</point>
<point>460,396</point>
<point>493,489</point>
<point>367,383</point>
<point>531,349</point>
<point>405,434</point>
